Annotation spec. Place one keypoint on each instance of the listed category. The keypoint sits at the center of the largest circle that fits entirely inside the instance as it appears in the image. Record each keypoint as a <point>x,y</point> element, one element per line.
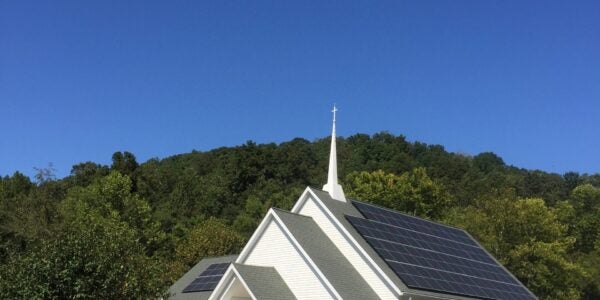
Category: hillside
<point>128,230</point>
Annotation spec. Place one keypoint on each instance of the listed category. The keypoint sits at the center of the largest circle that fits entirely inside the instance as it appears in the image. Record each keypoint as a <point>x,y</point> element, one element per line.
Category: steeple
<point>335,190</point>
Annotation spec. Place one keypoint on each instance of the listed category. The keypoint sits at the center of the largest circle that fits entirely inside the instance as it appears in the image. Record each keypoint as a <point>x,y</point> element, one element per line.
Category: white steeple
<point>335,190</point>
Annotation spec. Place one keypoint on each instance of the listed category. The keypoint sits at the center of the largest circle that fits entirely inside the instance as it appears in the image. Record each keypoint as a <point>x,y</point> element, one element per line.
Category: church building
<point>331,247</point>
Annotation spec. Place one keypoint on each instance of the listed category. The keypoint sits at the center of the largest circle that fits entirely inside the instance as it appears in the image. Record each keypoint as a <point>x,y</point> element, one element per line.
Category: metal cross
<point>333,111</point>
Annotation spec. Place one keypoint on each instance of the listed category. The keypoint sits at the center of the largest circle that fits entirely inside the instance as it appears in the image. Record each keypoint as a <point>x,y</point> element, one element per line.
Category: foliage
<point>412,192</point>
<point>527,237</point>
<point>210,238</point>
<point>136,227</point>
<point>91,257</point>
<point>586,226</point>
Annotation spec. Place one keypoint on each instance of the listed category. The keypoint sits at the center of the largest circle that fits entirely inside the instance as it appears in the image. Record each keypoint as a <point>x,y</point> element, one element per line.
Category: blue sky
<point>80,80</point>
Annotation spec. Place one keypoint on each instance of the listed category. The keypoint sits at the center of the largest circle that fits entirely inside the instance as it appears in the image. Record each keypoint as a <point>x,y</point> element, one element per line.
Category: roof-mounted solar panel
<point>208,279</point>
<point>435,257</point>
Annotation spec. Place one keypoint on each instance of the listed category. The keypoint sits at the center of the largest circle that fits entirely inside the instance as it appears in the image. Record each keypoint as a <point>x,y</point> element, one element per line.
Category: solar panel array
<point>435,257</point>
<point>207,280</point>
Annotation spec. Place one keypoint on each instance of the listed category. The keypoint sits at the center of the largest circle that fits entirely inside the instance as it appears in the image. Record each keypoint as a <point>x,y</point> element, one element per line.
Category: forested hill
<point>129,230</point>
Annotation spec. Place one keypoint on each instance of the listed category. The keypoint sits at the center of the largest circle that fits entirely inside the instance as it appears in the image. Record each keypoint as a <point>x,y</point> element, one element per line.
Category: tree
<point>412,192</point>
<point>124,162</point>
<point>572,180</point>
<point>487,162</point>
<point>211,237</point>
<point>91,257</point>
<point>527,237</point>
<point>111,196</point>
<point>44,175</point>
<point>586,223</point>
<point>591,263</point>
<point>85,173</point>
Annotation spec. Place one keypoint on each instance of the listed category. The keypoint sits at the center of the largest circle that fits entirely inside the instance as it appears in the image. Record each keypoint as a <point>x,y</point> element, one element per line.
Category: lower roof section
<point>176,290</point>
<point>263,282</point>
<point>331,262</point>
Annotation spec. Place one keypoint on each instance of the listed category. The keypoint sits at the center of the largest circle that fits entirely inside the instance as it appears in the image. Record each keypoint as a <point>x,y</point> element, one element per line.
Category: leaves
<point>412,192</point>
<point>529,239</point>
<point>163,215</point>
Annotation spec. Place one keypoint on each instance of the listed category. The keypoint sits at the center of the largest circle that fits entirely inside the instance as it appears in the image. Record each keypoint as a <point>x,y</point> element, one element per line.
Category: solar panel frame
<point>208,279</point>
<point>427,263</point>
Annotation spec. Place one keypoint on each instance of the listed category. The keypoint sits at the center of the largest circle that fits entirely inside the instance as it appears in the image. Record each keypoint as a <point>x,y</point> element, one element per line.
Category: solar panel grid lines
<point>384,215</point>
<point>425,229</point>
<point>391,217</point>
<point>440,260</point>
<point>408,254</point>
<point>425,241</point>
<point>435,257</point>
<point>429,254</point>
<point>208,279</point>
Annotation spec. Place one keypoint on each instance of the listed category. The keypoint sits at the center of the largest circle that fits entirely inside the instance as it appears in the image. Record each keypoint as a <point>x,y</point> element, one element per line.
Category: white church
<point>331,247</point>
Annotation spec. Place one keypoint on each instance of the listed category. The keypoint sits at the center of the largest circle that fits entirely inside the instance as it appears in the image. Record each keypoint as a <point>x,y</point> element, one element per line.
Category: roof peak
<point>332,186</point>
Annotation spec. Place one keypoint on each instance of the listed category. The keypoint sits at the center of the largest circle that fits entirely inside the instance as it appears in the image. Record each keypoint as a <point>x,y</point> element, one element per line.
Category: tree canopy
<point>130,229</point>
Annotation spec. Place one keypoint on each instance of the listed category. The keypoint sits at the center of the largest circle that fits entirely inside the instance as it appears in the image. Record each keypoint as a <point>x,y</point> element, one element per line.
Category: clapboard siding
<point>310,208</point>
<point>276,249</point>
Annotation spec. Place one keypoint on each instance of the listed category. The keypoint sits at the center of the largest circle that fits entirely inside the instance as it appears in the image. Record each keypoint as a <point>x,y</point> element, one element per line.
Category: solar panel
<point>435,257</point>
<point>208,279</point>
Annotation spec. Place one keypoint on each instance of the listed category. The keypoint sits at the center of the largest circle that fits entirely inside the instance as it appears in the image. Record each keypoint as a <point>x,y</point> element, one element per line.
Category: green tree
<point>487,162</point>
<point>91,257</point>
<point>412,192</point>
<point>527,237</point>
<point>111,196</point>
<point>591,263</point>
<point>211,237</point>
<point>85,173</point>
<point>124,162</point>
<point>586,222</point>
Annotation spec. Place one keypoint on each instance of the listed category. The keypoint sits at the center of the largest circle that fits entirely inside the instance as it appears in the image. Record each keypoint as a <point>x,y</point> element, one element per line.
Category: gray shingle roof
<point>333,264</point>
<point>264,282</point>
<point>339,209</point>
<point>176,289</point>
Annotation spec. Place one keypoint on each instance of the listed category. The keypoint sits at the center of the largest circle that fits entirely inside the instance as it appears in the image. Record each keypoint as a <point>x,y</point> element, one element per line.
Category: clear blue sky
<point>82,79</point>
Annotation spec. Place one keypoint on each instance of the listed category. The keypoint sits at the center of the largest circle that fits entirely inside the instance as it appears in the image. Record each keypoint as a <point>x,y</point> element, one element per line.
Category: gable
<point>276,248</point>
<point>310,206</point>
<point>331,215</point>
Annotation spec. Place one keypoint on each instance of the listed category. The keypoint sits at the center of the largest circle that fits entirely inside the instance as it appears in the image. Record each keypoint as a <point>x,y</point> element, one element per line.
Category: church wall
<point>310,208</point>
<point>275,249</point>
<point>236,292</point>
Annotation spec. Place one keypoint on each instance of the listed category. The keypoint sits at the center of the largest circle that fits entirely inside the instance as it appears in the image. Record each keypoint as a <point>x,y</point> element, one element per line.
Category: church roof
<point>345,211</point>
<point>176,290</point>
<point>342,209</point>
<point>335,266</point>
<point>264,282</point>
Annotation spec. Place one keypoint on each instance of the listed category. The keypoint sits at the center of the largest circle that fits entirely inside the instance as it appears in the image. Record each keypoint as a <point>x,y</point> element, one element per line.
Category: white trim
<point>219,288</point>
<point>307,258</point>
<point>301,201</point>
<point>272,216</point>
<point>298,206</point>
<point>229,287</point>
<point>239,277</point>
<point>255,237</point>
<point>228,279</point>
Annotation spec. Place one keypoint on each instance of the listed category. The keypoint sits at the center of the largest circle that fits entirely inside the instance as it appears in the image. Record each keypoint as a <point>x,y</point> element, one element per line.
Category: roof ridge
<point>290,213</point>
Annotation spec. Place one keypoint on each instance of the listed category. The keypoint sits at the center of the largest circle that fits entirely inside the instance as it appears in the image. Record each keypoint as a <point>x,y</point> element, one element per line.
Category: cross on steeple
<point>332,186</point>
<point>334,111</point>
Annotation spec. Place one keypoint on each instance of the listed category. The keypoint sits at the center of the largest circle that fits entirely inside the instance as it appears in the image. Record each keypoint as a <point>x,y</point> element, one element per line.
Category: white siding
<point>310,208</point>
<point>276,250</point>
<point>236,291</point>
